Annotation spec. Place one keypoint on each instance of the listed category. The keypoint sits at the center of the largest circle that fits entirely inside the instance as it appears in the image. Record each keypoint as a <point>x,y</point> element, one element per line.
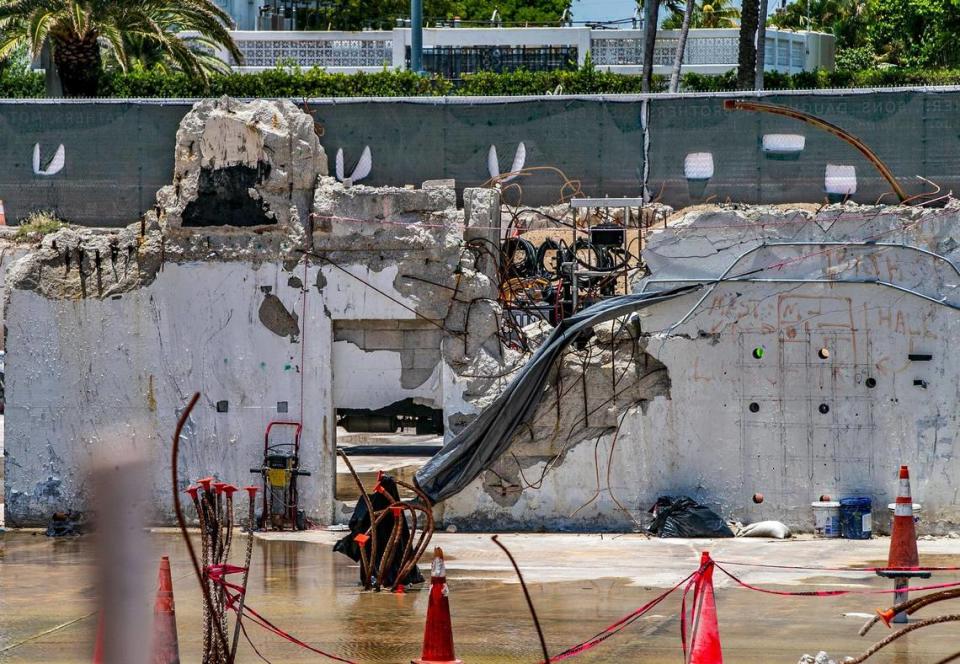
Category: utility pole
<point>416,36</point>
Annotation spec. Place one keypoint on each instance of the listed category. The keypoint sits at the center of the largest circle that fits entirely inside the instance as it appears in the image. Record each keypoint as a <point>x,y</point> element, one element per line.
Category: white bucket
<point>826,518</point>
<point>916,510</point>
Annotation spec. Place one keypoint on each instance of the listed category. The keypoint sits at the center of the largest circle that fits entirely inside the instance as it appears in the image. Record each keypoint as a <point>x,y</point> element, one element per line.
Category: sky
<point>602,10</point>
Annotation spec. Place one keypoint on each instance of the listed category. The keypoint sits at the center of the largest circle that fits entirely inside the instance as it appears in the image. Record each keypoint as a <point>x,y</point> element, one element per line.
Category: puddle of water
<point>311,592</point>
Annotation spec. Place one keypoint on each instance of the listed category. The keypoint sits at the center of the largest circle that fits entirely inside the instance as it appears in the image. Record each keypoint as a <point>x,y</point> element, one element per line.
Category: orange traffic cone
<point>438,633</point>
<point>903,541</point>
<point>904,559</point>
<point>705,632</point>
<point>166,649</point>
<point>3,214</point>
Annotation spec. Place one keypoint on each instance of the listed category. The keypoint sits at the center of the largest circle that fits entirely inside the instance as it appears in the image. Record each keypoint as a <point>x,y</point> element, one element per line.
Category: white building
<point>461,50</point>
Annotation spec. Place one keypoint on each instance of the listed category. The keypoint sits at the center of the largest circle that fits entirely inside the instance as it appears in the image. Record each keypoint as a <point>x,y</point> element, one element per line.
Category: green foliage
<point>297,84</point>
<point>915,33</point>
<point>376,14</point>
<point>511,11</point>
<point>908,33</point>
<point>382,14</point>
<point>706,14</point>
<point>37,225</point>
<point>80,32</point>
<point>21,84</point>
<point>855,59</point>
<point>843,18</point>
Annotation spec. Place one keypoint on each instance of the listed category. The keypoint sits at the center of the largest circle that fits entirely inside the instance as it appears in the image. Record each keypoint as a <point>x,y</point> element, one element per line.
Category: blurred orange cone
<point>166,648</point>
<point>98,645</point>
<point>438,633</point>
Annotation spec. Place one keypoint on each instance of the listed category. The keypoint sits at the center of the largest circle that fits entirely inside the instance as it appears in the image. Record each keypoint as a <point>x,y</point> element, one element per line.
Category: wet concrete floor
<point>580,584</point>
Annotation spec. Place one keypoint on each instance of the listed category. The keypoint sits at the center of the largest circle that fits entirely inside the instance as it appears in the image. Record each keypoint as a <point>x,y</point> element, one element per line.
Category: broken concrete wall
<point>243,164</point>
<point>110,334</point>
<point>791,388</point>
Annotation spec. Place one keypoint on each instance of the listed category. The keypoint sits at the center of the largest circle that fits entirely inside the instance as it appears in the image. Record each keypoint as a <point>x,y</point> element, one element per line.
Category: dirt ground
<point>580,584</point>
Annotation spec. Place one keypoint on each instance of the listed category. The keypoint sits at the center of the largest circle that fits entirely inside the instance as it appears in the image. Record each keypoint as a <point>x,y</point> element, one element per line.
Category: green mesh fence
<point>687,150</point>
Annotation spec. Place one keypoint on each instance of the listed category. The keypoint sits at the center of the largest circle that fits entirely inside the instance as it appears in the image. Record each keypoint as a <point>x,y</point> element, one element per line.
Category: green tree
<point>511,11</point>
<point>376,14</point>
<point>845,19</point>
<point>79,31</point>
<point>707,14</point>
<point>914,33</point>
<point>909,33</point>
<point>651,18</point>
<point>383,14</point>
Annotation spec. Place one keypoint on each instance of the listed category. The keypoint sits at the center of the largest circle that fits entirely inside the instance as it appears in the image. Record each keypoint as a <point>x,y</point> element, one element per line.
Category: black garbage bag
<point>66,524</point>
<point>682,516</point>
<point>360,523</point>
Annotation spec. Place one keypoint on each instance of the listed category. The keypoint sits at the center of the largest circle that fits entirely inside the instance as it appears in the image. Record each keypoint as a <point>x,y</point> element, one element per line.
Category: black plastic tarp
<point>485,439</point>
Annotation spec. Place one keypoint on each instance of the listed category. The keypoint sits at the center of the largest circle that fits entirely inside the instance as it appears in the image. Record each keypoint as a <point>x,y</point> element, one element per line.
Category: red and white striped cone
<point>438,632</point>
<point>904,559</point>
<point>3,214</point>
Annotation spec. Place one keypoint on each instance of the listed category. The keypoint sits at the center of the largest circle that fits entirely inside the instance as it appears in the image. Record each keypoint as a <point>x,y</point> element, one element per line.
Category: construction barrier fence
<point>101,162</point>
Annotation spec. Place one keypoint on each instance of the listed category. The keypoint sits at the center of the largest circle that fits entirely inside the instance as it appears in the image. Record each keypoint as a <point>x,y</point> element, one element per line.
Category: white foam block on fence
<point>698,166</point>
<point>840,179</point>
<point>784,143</point>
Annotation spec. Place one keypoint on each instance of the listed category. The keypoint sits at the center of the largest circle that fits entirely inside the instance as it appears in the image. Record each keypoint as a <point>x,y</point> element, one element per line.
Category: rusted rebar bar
<point>365,567</point>
<point>883,643</point>
<point>178,510</point>
<point>911,606</point>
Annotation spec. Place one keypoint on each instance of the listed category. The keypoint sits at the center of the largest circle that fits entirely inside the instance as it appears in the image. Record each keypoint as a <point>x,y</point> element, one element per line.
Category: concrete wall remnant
<point>110,333</point>
<point>819,367</point>
<point>243,164</point>
<point>816,358</point>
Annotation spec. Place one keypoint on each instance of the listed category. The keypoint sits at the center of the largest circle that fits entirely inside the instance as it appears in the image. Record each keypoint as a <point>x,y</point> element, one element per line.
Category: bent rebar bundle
<point>485,439</point>
<point>395,565</point>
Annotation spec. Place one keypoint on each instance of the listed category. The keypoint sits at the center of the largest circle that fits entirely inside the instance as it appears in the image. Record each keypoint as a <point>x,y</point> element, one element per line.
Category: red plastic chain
<point>616,627</point>
<point>835,593</point>
<point>841,569</point>
<point>216,574</point>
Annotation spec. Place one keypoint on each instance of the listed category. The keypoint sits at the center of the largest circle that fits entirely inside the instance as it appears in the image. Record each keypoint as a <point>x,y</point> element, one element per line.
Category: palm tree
<point>747,56</point>
<point>651,17</point>
<point>80,31</point>
<point>707,14</point>
<point>718,14</point>
<point>147,54</point>
<point>681,46</point>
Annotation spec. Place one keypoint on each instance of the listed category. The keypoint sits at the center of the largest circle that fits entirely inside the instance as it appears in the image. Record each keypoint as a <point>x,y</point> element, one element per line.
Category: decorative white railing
<point>337,50</point>
<point>707,50</point>
<point>711,50</point>
<point>616,47</point>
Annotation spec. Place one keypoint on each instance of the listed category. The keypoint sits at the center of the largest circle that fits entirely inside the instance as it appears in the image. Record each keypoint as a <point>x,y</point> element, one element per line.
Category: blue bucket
<point>855,517</point>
